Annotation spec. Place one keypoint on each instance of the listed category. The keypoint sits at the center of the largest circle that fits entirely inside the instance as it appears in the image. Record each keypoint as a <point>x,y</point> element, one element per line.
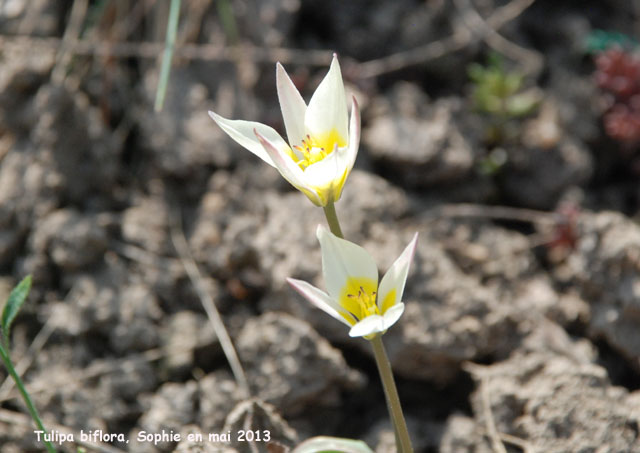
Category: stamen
<point>365,304</point>
<point>312,151</point>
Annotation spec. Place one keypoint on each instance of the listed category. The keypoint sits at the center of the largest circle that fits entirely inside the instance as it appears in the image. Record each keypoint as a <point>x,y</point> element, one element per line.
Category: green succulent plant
<point>498,92</point>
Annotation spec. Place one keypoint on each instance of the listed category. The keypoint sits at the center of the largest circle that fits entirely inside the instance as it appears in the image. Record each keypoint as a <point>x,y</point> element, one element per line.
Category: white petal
<point>328,170</point>
<point>243,133</point>
<point>292,105</point>
<point>396,276</point>
<point>376,324</point>
<point>342,259</point>
<point>354,133</point>
<point>327,109</point>
<point>369,325</point>
<point>392,315</point>
<point>288,169</point>
<point>318,298</point>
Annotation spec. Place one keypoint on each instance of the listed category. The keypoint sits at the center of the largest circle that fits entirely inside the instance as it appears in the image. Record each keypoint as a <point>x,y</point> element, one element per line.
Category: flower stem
<point>332,219</point>
<point>25,396</point>
<point>393,401</point>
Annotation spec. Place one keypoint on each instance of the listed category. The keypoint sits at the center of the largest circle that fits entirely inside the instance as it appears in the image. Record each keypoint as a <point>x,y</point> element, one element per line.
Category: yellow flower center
<point>358,299</point>
<point>315,148</point>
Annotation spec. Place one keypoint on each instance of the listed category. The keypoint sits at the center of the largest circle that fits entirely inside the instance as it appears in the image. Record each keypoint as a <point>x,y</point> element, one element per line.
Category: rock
<point>605,269</point>
<point>139,314</point>
<point>91,397</point>
<point>399,25</point>
<point>182,141</point>
<point>71,137</point>
<point>464,434</point>
<point>22,17</point>
<point>420,144</point>
<point>169,409</point>
<point>107,304</point>
<point>498,256</point>
<point>72,241</point>
<point>96,303</point>
<point>268,22</point>
<point>290,366</point>
<point>219,394</point>
<point>422,433</point>
<point>262,421</point>
<point>25,68</point>
<point>146,224</point>
<point>538,178</point>
<point>383,202</point>
<point>548,385</point>
<point>186,332</point>
<point>556,404</point>
<point>29,190</point>
<point>127,379</point>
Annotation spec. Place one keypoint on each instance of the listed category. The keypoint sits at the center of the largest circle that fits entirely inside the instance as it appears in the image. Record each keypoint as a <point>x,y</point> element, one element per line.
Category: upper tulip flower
<point>351,277</point>
<point>322,142</point>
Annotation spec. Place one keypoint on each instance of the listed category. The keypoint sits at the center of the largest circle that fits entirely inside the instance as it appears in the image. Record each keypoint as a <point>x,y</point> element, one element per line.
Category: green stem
<point>169,45</point>
<point>395,409</point>
<point>332,219</point>
<point>25,396</point>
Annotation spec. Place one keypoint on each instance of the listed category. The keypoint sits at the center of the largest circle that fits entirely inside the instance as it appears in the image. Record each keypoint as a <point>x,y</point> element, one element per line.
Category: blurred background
<point>506,132</point>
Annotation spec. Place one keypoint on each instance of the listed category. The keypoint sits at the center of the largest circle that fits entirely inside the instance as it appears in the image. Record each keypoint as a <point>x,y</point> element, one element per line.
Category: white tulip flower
<point>323,143</point>
<point>354,296</point>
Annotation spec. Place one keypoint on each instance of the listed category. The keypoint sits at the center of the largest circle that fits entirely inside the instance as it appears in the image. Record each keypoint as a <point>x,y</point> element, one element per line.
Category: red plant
<point>564,236</point>
<point>623,123</point>
<point>618,73</point>
<point>618,76</point>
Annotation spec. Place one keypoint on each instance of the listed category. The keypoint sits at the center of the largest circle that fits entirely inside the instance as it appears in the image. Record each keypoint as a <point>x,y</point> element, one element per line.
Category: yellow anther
<point>365,303</point>
<point>314,149</point>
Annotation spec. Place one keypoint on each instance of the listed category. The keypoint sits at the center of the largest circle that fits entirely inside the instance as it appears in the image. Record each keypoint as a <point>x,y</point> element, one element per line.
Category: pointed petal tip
<point>413,244</point>
<point>298,286</point>
<point>334,61</point>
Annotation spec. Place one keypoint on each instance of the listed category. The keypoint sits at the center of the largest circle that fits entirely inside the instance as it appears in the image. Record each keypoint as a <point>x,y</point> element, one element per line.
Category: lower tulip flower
<point>354,296</point>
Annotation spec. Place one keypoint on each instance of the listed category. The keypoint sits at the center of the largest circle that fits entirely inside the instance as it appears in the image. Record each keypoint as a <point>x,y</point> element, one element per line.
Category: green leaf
<point>476,72</point>
<point>169,45</point>
<point>324,444</point>
<point>522,104</point>
<point>12,307</point>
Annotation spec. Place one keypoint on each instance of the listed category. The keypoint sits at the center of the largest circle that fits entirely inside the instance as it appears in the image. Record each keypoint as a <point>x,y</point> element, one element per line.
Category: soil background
<point>522,324</point>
